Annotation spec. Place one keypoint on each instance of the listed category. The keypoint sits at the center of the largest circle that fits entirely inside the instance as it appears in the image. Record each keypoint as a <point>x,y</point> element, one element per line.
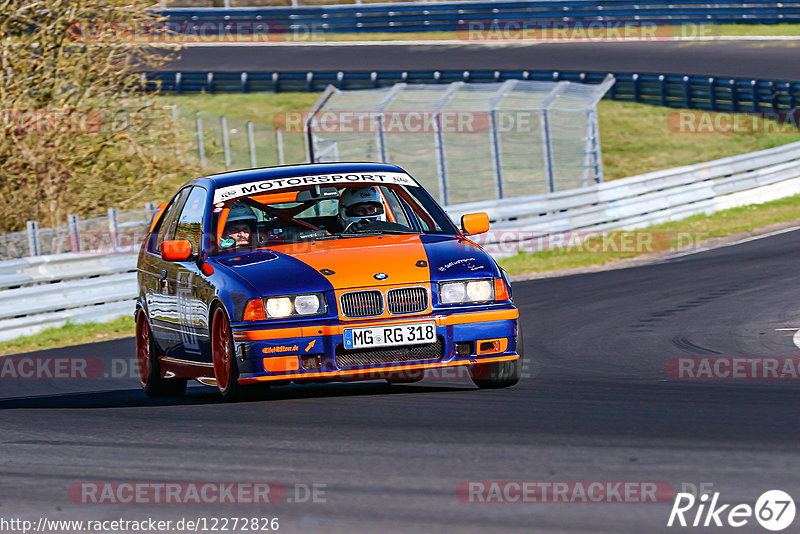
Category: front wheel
<point>153,384</point>
<point>499,374</point>
<point>226,370</point>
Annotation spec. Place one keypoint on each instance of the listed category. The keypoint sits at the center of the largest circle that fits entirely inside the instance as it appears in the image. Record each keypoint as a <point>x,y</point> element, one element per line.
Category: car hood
<point>370,261</point>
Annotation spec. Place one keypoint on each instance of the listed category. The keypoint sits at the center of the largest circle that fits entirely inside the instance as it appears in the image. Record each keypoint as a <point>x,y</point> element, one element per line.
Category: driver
<point>361,205</point>
<point>240,226</point>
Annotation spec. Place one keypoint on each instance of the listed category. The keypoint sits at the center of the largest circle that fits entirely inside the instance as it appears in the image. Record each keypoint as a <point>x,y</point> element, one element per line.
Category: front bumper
<point>309,352</point>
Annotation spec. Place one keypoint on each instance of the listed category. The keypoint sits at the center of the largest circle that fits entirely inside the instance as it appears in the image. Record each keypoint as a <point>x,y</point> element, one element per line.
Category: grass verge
<point>690,233</point>
<point>70,334</point>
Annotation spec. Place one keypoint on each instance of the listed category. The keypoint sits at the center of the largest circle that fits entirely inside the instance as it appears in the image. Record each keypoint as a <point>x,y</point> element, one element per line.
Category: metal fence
<point>118,231</point>
<point>225,143</point>
<point>454,16</point>
<point>673,90</point>
<point>468,142</point>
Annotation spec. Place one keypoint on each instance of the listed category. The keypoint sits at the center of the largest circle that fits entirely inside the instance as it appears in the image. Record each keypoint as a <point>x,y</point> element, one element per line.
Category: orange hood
<point>356,261</point>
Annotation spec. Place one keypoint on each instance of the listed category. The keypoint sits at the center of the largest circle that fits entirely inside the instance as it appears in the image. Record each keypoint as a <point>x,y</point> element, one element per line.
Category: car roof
<point>288,171</point>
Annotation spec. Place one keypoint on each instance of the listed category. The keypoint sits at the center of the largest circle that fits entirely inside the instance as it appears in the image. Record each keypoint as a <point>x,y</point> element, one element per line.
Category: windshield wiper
<point>378,232</point>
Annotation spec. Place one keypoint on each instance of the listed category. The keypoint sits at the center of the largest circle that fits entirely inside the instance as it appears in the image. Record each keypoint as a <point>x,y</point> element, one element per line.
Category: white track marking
<point>796,339</point>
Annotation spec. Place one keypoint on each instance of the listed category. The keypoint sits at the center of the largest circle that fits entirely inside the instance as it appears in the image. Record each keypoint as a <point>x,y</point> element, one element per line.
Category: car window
<point>396,207</point>
<point>190,222</point>
<point>166,228</point>
<point>277,218</point>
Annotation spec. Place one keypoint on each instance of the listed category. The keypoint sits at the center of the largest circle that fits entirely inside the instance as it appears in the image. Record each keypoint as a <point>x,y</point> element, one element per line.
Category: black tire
<point>226,369</point>
<point>153,384</point>
<point>499,374</point>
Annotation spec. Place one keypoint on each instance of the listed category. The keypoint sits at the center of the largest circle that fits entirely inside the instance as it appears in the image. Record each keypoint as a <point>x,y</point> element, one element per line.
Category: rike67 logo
<point>774,510</point>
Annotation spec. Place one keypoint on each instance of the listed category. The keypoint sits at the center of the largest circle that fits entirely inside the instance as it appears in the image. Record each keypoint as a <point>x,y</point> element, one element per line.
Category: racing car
<point>317,273</point>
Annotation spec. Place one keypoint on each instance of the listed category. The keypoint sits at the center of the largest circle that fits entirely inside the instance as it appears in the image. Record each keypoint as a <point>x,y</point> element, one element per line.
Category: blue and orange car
<point>317,272</point>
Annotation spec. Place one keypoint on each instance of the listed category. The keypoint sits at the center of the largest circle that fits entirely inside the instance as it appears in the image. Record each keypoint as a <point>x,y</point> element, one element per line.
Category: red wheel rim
<point>143,348</point>
<point>221,349</point>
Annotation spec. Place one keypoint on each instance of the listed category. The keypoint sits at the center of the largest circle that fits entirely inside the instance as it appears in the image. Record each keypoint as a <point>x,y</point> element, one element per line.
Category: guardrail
<point>672,90</point>
<point>638,201</point>
<point>47,291</point>
<point>454,16</point>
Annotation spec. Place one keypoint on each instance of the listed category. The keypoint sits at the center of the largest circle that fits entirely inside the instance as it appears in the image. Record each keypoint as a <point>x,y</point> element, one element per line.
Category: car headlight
<point>303,305</point>
<point>279,307</point>
<point>466,291</point>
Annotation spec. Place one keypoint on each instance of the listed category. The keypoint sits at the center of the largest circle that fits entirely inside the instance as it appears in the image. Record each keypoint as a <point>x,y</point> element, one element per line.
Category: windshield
<point>314,213</point>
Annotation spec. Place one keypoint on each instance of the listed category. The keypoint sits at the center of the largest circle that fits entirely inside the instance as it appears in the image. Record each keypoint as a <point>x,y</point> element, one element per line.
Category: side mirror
<point>176,250</point>
<point>475,223</point>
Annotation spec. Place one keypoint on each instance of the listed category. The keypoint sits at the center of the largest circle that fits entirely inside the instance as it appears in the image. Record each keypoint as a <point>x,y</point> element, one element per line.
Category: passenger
<point>239,227</point>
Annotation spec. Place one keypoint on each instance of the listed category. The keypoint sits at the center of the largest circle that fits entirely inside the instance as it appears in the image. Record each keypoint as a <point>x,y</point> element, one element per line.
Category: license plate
<point>389,335</point>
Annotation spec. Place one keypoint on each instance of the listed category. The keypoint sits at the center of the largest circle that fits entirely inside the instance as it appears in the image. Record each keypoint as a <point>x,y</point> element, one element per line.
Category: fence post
<point>734,96</point>
<point>279,143</point>
<point>754,89</point>
<point>712,93</point>
<point>380,140</point>
<point>251,140</point>
<point>34,247</point>
<point>113,227</point>
<point>496,153</point>
<point>441,162</point>
<point>210,82</point>
<point>245,85</point>
<point>226,142</point>
<point>548,152</point>
<point>663,88</point>
<point>74,232</point>
<point>201,147</point>
<point>687,91</point>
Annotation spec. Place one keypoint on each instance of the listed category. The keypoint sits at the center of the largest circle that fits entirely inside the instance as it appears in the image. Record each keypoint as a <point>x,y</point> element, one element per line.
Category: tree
<point>80,129</point>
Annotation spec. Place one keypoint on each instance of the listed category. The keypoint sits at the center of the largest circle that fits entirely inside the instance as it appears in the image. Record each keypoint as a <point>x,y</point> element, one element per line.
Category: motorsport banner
<point>266,186</point>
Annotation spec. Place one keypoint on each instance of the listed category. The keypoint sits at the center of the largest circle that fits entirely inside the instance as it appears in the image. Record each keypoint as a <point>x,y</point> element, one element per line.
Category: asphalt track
<point>770,60</point>
<point>596,404</point>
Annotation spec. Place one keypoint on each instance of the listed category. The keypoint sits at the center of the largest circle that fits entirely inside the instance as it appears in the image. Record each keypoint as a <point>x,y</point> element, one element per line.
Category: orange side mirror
<point>176,250</point>
<point>475,223</point>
